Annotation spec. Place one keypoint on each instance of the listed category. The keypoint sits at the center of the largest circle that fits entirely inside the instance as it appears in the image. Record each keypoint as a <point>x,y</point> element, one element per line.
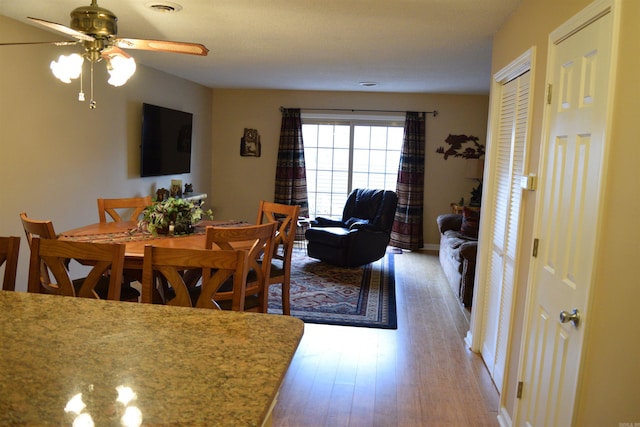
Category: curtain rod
<point>434,112</point>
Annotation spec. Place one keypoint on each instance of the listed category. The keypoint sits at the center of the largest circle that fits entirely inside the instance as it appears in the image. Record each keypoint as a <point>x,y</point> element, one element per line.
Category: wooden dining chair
<point>259,258</point>
<point>287,218</point>
<point>9,249</point>
<point>44,230</point>
<point>131,208</point>
<point>114,207</point>
<point>38,228</point>
<point>216,266</point>
<point>100,257</point>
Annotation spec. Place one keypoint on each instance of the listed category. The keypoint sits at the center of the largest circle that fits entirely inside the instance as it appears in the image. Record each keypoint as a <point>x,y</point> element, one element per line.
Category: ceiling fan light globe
<point>67,67</point>
<point>120,70</point>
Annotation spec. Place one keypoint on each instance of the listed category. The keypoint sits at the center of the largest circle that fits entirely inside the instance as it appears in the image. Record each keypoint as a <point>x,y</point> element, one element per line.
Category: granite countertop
<point>185,366</point>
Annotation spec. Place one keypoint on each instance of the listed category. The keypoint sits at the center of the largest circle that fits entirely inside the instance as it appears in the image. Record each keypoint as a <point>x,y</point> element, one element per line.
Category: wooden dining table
<point>135,239</point>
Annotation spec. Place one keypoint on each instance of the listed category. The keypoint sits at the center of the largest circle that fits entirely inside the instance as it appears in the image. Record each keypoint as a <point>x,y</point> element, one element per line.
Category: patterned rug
<point>323,293</point>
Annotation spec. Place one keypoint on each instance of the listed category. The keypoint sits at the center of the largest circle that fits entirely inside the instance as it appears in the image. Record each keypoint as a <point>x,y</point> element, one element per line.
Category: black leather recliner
<point>363,234</point>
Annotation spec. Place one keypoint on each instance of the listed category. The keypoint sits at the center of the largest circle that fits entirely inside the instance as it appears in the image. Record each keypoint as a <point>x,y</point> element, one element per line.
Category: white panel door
<point>566,222</point>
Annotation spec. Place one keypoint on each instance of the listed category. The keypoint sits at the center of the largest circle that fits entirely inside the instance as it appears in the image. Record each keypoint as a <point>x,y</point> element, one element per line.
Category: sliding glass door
<point>348,154</point>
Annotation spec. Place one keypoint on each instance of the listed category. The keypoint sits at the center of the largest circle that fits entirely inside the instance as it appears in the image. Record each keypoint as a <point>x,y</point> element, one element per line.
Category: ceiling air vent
<point>164,7</point>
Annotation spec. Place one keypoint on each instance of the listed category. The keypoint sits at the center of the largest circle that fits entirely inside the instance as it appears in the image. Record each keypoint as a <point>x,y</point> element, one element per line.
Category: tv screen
<point>166,141</point>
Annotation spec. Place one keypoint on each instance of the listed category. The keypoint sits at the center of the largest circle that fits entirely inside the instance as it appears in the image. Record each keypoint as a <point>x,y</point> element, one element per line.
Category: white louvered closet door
<point>505,178</point>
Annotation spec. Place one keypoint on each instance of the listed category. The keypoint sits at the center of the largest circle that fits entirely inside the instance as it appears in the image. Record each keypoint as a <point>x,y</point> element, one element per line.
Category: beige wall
<point>239,182</point>
<point>57,156</point>
<point>608,391</point>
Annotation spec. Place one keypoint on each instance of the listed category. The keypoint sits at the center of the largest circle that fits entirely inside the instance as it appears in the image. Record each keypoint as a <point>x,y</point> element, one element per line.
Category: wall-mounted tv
<point>166,141</point>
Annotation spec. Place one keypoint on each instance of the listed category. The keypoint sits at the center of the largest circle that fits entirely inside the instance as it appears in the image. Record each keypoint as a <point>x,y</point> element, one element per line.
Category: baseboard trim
<point>431,247</point>
<point>503,418</point>
<point>468,339</point>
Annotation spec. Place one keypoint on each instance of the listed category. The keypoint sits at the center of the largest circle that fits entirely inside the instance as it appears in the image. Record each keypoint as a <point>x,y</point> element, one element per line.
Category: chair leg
<point>263,300</point>
<point>286,301</point>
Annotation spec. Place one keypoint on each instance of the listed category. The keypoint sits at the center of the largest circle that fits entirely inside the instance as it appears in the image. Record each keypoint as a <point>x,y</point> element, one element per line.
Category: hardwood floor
<point>421,374</point>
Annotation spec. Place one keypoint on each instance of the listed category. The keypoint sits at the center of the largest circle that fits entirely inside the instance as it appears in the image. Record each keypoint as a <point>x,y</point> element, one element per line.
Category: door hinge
<point>549,91</point>
<point>519,391</point>
<point>535,248</point>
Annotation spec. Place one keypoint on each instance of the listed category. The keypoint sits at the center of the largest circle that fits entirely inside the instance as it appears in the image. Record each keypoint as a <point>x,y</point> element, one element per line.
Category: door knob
<point>574,316</point>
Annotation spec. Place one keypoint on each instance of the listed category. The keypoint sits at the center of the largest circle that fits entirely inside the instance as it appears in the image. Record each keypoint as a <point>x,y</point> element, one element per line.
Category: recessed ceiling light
<point>164,6</point>
<point>368,84</point>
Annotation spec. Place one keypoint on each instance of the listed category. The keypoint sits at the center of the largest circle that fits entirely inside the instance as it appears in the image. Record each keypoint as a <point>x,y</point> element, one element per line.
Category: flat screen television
<point>166,141</point>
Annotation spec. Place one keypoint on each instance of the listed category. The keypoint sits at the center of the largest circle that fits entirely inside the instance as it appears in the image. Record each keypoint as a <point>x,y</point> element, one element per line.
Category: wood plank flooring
<point>421,374</point>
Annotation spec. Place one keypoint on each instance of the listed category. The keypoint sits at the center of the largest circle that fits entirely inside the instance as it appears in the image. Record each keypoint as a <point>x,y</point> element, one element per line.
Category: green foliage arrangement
<point>183,214</point>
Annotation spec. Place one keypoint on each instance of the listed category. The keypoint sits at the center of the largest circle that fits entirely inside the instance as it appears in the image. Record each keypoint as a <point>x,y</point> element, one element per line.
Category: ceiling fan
<point>96,28</point>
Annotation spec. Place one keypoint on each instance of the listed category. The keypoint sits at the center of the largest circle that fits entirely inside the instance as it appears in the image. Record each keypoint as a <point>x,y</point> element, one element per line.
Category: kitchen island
<point>65,359</point>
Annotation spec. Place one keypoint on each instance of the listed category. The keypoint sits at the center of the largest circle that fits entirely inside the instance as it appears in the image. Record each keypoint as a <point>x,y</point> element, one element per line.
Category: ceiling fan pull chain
<point>92,103</point>
<point>81,93</point>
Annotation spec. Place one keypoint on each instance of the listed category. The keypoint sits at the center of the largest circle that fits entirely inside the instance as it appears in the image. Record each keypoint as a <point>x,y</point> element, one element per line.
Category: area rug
<point>322,293</point>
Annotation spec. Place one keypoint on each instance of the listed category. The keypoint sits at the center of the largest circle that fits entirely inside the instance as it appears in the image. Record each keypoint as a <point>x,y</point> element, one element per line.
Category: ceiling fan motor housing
<point>94,20</point>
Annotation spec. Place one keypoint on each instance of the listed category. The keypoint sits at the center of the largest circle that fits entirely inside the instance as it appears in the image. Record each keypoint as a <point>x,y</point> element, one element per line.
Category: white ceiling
<point>422,46</point>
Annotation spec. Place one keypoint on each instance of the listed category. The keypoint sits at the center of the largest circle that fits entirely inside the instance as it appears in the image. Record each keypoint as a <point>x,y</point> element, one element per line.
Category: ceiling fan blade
<point>162,46</point>
<point>62,29</point>
<point>114,51</point>
<point>59,43</point>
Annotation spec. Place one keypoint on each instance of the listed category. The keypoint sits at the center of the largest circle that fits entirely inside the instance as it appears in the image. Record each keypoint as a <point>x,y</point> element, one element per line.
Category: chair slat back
<point>111,207</point>
<point>172,262</point>
<point>9,249</point>
<point>33,227</point>
<point>102,257</point>
<point>259,256</point>
<point>44,230</point>
<point>287,218</point>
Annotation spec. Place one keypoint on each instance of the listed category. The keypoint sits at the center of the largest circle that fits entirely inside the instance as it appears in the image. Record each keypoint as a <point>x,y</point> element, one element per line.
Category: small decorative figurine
<point>175,191</point>
<point>188,188</point>
<point>162,194</point>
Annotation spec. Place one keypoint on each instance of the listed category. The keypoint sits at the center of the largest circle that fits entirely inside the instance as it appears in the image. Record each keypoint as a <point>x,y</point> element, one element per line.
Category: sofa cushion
<point>449,222</point>
<point>329,236</point>
<point>455,238</point>
<point>470,222</point>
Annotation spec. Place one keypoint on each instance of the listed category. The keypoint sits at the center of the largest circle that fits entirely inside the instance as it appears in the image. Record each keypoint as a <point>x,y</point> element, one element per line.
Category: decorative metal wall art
<point>456,148</point>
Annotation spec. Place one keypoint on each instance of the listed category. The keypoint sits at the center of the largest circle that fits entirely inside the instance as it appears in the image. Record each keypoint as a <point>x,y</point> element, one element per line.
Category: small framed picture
<point>250,143</point>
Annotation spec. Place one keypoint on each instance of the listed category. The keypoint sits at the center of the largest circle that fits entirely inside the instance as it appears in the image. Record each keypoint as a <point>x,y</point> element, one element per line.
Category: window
<point>341,155</point>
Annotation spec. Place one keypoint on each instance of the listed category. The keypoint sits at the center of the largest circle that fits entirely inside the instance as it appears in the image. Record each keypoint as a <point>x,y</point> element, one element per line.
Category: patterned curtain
<point>291,175</point>
<point>407,225</point>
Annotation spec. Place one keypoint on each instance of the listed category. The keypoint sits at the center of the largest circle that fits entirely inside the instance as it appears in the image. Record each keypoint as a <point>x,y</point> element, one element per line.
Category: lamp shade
<point>120,69</point>
<point>67,67</point>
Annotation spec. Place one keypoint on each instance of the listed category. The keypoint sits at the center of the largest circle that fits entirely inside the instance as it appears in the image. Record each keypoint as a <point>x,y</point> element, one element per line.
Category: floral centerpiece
<point>177,216</point>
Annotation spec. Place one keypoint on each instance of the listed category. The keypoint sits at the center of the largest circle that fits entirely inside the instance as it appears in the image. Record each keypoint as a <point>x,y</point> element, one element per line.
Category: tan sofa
<point>458,255</point>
